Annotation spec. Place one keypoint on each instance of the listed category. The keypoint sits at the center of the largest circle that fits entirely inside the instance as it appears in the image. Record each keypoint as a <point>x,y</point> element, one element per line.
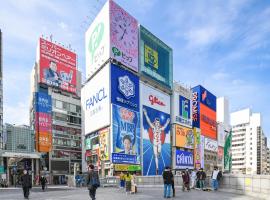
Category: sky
<point>222,45</point>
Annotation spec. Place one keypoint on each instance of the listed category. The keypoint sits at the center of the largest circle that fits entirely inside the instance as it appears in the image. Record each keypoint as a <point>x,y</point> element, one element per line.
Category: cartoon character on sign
<point>156,135</point>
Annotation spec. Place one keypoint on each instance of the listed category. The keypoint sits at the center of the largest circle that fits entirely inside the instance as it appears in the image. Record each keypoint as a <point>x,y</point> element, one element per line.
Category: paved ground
<point>59,193</point>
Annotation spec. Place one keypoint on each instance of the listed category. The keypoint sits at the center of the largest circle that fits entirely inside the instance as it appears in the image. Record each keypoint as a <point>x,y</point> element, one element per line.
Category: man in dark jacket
<point>167,179</point>
<point>43,182</point>
<point>92,181</point>
<point>201,176</point>
<point>26,183</point>
<point>186,180</point>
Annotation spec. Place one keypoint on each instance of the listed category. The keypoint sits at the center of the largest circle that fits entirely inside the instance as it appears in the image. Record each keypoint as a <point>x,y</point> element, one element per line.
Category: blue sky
<point>223,45</point>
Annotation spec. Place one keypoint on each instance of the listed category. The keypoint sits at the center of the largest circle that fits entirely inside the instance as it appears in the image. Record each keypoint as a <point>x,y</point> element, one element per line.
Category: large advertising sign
<point>184,137</point>
<point>57,66</point>
<point>44,141</point>
<point>220,155</point>
<point>104,144</point>
<point>208,99</point>
<point>221,135</point>
<point>156,130</point>
<point>125,88</point>
<point>196,107</point>
<point>126,132</point>
<point>228,152</point>
<point>202,150</point>
<point>97,42</point>
<point>208,122</point>
<point>210,145</point>
<point>155,58</point>
<point>197,148</point>
<point>184,159</point>
<point>96,101</point>
<point>43,102</point>
<point>123,158</point>
<point>43,122</point>
<point>124,37</point>
<point>184,111</point>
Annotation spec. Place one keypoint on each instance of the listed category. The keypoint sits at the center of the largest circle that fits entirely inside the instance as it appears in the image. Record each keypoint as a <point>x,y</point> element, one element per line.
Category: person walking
<point>122,180</point>
<point>43,182</point>
<point>92,181</point>
<point>186,180</point>
<point>133,184</point>
<point>128,179</point>
<point>216,176</point>
<point>201,176</point>
<point>26,184</point>
<point>167,179</point>
<point>193,177</point>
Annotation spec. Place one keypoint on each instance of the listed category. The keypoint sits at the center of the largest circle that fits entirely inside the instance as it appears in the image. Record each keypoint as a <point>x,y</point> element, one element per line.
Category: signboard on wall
<point>122,158</point>
<point>210,145</point>
<point>184,137</point>
<point>208,99</point>
<point>43,102</point>
<point>104,144</point>
<point>97,42</point>
<point>57,66</point>
<point>44,141</point>
<point>96,101</point>
<point>184,159</point>
<point>196,107</point>
<point>197,148</point>
<point>124,37</point>
<point>208,122</point>
<point>126,132</point>
<point>155,58</point>
<point>125,88</point>
<point>221,134</point>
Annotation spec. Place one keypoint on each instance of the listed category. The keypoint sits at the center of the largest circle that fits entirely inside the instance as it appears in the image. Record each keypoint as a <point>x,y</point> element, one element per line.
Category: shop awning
<point>9,154</point>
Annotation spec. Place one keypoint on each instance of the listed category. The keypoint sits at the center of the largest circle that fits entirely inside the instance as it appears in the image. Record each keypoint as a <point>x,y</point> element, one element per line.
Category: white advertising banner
<point>96,101</point>
<point>97,42</point>
<point>154,98</point>
<point>221,135</point>
<point>210,145</point>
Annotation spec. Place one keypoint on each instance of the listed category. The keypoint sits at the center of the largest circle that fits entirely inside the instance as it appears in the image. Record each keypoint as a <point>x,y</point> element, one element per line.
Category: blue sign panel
<point>121,158</point>
<point>184,159</point>
<point>156,141</point>
<point>126,131</point>
<point>184,111</point>
<point>43,102</point>
<point>208,99</point>
<point>125,88</point>
<point>196,107</point>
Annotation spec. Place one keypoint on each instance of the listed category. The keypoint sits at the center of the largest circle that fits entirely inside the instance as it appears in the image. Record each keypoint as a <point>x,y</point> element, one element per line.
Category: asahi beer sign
<point>184,159</point>
<point>210,145</point>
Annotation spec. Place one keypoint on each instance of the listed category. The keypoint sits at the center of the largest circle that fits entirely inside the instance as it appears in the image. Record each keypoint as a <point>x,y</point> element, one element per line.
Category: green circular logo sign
<point>95,39</point>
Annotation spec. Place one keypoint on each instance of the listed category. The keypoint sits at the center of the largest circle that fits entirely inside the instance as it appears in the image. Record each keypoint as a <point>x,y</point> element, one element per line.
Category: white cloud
<point>63,25</point>
<point>17,114</point>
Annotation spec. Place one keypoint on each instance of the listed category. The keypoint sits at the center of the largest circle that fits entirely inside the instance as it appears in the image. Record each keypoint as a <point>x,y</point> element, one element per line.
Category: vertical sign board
<point>126,134</point>
<point>96,101</point>
<point>196,107</point>
<point>208,122</point>
<point>197,148</point>
<point>155,58</point>
<point>155,130</point>
<point>184,137</point>
<point>202,150</point>
<point>43,122</point>
<point>184,159</point>
<point>228,152</point>
<point>57,66</point>
<point>104,144</point>
<point>123,37</point>
<point>125,88</point>
<point>208,99</point>
<point>221,134</point>
<point>97,41</point>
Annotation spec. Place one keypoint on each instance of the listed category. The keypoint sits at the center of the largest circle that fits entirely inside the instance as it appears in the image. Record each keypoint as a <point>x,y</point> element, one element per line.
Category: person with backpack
<point>167,179</point>
<point>92,181</point>
<point>216,176</point>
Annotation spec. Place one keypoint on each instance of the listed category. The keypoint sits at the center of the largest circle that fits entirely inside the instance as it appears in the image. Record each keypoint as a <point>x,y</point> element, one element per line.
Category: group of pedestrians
<point>191,180</point>
<point>128,181</point>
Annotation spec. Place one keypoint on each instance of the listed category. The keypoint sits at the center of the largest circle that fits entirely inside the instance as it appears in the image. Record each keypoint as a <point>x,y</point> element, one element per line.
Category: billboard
<point>228,152</point>
<point>97,42</point>
<point>155,58</point>
<point>205,97</point>
<point>44,141</point>
<point>221,134</point>
<point>43,102</point>
<point>124,37</point>
<point>104,144</point>
<point>122,158</point>
<point>126,132</point>
<point>208,122</point>
<point>125,88</point>
<point>202,150</point>
<point>43,122</point>
<point>210,145</point>
<point>196,107</point>
<point>220,155</point>
<point>197,148</point>
<point>184,159</point>
<point>96,101</point>
<point>57,66</point>
<point>184,137</point>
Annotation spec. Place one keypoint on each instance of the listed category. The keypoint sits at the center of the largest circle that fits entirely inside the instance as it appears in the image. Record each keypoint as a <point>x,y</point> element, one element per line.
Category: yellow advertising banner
<point>151,56</point>
<point>184,137</point>
<point>104,144</point>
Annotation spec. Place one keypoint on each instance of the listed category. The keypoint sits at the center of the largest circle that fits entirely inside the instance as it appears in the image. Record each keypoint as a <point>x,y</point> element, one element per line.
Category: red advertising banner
<point>208,122</point>
<point>57,66</point>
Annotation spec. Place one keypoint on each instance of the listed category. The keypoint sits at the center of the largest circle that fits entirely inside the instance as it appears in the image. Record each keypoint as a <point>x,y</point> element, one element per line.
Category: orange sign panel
<point>184,137</point>
<point>44,142</point>
<point>208,122</point>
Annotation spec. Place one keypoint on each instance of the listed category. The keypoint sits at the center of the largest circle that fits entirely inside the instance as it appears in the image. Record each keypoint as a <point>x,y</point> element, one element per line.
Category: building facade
<point>1,104</point>
<point>55,110</point>
<point>246,142</point>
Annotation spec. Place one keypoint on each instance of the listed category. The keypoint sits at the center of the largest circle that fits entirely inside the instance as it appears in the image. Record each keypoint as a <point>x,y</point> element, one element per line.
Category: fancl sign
<point>96,98</point>
<point>184,159</point>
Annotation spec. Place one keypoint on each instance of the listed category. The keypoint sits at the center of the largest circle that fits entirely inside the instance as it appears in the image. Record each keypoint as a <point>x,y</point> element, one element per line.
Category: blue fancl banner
<point>156,141</point>
<point>126,132</point>
<point>121,158</point>
<point>196,107</point>
<point>206,97</point>
<point>125,88</point>
<point>43,102</point>
<point>184,159</point>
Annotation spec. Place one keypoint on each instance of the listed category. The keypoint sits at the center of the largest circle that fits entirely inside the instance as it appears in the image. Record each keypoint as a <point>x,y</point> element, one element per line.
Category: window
<point>72,108</point>
<point>59,104</point>
<point>78,109</point>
